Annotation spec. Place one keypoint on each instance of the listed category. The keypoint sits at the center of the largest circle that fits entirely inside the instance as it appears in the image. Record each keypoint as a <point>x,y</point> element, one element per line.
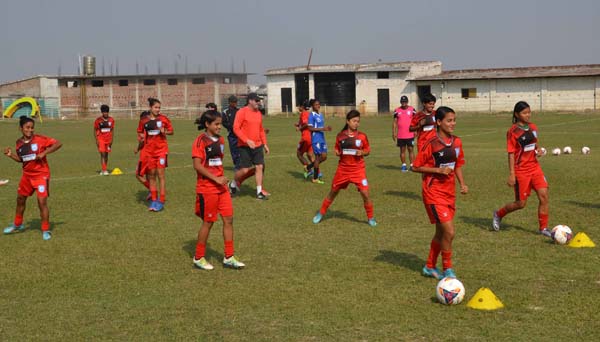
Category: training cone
<point>116,171</point>
<point>581,240</point>
<point>485,299</point>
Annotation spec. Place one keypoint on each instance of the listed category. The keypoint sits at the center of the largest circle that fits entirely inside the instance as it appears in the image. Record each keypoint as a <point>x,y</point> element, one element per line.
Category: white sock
<point>258,189</point>
<point>234,184</point>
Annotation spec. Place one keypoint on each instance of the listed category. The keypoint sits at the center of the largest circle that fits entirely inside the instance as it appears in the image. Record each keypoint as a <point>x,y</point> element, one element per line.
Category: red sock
<point>326,203</point>
<point>45,226</point>
<point>543,220</point>
<point>501,212</point>
<point>369,210</point>
<point>163,196</point>
<point>153,193</point>
<point>434,251</point>
<point>147,184</point>
<point>229,249</point>
<point>103,166</point>
<point>447,259</point>
<point>200,251</point>
<point>18,220</point>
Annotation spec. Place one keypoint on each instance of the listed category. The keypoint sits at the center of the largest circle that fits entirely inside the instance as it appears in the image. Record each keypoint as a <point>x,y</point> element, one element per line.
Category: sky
<point>43,36</point>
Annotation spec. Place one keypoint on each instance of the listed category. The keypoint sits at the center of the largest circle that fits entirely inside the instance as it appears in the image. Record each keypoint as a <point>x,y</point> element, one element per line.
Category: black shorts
<point>250,157</point>
<point>405,142</point>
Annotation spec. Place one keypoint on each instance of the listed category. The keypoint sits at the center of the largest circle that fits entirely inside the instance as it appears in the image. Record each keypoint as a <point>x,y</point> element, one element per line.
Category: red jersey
<point>248,126</point>
<point>28,151</point>
<point>155,142</point>
<point>427,131</point>
<point>104,129</point>
<point>210,152</point>
<point>347,144</point>
<point>523,143</point>
<point>303,121</point>
<point>440,189</point>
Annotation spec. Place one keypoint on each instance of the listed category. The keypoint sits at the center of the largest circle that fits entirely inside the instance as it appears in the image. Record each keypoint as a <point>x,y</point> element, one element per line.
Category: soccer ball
<point>585,150</point>
<point>543,151</point>
<point>562,234</point>
<point>567,150</point>
<point>450,291</point>
<point>556,152</point>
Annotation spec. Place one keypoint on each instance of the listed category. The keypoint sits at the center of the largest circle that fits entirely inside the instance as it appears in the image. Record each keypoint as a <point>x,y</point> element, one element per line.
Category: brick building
<point>81,96</point>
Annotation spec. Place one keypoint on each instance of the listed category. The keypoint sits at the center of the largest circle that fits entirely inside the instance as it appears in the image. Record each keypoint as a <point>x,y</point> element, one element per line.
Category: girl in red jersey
<point>153,129</point>
<point>305,144</point>
<point>440,160</point>
<point>31,150</point>
<point>525,171</point>
<point>423,123</point>
<point>103,133</point>
<point>212,196</point>
<point>141,169</point>
<point>351,146</point>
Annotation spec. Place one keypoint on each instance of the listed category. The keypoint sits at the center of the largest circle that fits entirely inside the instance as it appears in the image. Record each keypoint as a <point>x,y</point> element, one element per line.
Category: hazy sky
<point>39,35</point>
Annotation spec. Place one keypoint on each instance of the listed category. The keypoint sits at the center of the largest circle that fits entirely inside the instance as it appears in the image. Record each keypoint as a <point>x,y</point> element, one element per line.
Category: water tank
<point>89,65</point>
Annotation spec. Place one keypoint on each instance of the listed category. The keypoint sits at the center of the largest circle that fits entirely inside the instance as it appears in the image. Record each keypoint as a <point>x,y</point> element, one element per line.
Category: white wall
<point>274,85</point>
<point>368,83</point>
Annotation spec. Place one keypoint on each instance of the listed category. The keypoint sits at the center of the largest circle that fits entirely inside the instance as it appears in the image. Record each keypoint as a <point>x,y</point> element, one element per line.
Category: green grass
<point>115,271</point>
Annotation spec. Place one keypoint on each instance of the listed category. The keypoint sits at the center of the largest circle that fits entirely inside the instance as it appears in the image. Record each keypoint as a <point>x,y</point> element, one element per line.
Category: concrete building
<point>77,96</point>
<point>373,88</point>
<point>376,88</point>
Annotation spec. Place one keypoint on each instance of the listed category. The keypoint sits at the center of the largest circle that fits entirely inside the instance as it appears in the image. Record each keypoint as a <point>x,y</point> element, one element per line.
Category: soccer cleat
<point>496,220</point>
<point>232,189</point>
<point>308,174</point>
<point>232,262</point>
<point>318,217</point>
<point>449,273</point>
<point>432,272</point>
<point>159,206</point>
<point>404,168</point>
<point>203,264</point>
<point>262,196</point>
<point>546,232</point>
<point>372,222</point>
<point>47,235</point>
<point>12,229</point>
<point>318,181</point>
<point>152,206</point>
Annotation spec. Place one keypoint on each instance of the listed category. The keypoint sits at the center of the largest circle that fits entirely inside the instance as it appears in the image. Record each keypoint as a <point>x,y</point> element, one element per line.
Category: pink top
<point>403,117</point>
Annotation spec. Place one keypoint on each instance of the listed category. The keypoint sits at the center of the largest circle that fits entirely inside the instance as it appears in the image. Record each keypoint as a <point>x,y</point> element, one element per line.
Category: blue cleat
<point>432,272</point>
<point>47,235</point>
<point>449,273</point>
<point>318,217</point>
<point>404,168</point>
<point>159,206</point>
<point>372,222</point>
<point>14,229</point>
<point>153,206</point>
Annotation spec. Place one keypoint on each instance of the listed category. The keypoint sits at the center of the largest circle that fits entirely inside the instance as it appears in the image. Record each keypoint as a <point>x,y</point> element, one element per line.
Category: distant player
<point>31,150</point>
<point>228,120</point>
<point>352,146</point>
<point>440,160</point>
<point>525,173</point>
<point>401,134</point>
<point>316,125</point>
<point>212,196</point>
<point>153,130</point>
<point>103,133</point>
<point>305,144</point>
<point>423,123</point>
<point>141,169</point>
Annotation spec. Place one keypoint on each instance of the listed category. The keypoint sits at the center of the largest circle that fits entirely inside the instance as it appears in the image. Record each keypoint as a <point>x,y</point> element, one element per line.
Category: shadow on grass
<point>296,174</point>
<point>190,248</point>
<point>405,194</point>
<point>36,224</point>
<point>406,260</point>
<point>485,223</point>
<point>584,205</point>
<point>141,196</point>
<point>343,215</point>
<point>389,167</point>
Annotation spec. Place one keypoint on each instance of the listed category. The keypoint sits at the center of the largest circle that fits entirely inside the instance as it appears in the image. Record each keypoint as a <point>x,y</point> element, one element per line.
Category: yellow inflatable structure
<point>13,107</point>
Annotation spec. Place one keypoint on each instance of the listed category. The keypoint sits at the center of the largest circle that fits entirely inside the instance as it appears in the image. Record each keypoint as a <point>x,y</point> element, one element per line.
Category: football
<point>450,291</point>
<point>556,152</point>
<point>567,150</point>
<point>543,151</point>
<point>585,150</point>
<point>562,234</point>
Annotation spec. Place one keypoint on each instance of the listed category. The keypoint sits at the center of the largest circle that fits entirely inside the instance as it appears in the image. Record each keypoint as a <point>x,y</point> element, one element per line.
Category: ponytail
<point>152,101</point>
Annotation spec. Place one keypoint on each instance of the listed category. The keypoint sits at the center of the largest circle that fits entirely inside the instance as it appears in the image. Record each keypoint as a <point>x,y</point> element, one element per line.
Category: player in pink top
<point>400,131</point>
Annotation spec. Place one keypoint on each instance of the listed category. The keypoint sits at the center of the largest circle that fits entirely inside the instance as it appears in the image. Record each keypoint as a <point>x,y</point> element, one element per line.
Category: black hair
<point>428,98</point>
<point>206,118</point>
<point>519,107</point>
<point>351,115</point>
<point>211,105</point>
<point>441,112</point>
<point>25,119</point>
<point>144,113</point>
<point>104,109</point>
<point>311,102</point>
<point>306,104</point>
<point>152,101</point>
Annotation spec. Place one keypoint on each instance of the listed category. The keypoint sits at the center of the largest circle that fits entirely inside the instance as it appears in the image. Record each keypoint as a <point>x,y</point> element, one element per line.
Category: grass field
<point>115,271</point>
